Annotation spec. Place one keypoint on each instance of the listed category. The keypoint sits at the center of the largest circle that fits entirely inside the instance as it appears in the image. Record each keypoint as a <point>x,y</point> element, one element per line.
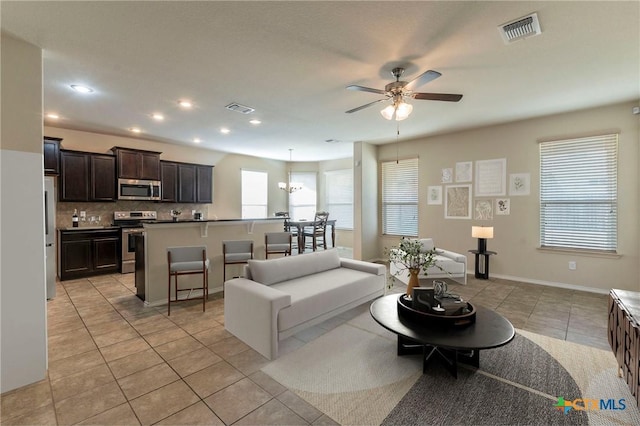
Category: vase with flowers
<point>411,256</point>
<point>175,213</point>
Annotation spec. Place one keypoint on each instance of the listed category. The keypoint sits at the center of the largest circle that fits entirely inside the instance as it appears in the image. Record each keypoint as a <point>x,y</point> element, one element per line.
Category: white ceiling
<point>291,62</point>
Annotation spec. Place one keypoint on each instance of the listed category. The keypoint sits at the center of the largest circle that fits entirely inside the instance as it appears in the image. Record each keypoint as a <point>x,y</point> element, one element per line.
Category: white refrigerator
<point>50,235</point>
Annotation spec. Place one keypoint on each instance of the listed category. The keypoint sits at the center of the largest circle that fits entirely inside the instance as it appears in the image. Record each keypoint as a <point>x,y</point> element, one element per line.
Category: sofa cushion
<point>317,294</point>
<point>427,244</point>
<point>274,271</point>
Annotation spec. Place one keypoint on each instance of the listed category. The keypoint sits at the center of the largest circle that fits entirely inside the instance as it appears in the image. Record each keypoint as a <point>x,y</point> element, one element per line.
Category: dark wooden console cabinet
<point>624,336</point>
<point>85,253</point>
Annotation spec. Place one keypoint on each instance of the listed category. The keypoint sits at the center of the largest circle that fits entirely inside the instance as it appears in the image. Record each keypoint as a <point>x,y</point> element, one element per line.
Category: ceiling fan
<point>399,91</point>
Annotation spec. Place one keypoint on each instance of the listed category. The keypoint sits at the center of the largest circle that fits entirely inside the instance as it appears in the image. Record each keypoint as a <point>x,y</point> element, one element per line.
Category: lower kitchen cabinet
<point>84,253</point>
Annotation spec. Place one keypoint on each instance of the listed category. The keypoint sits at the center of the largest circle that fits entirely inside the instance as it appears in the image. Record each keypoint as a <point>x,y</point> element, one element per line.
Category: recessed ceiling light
<point>197,140</point>
<point>135,130</point>
<point>225,131</point>
<point>185,103</point>
<point>53,116</point>
<point>255,121</point>
<point>157,116</point>
<point>82,89</point>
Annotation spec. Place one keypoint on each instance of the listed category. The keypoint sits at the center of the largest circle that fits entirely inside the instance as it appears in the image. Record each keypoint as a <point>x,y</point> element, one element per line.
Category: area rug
<point>353,375</point>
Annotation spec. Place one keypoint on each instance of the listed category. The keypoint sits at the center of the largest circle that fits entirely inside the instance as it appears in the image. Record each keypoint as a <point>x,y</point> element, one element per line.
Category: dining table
<point>300,224</point>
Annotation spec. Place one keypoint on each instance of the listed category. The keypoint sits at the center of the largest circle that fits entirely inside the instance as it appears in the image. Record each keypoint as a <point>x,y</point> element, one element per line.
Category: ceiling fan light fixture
<point>403,110</point>
<point>388,112</point>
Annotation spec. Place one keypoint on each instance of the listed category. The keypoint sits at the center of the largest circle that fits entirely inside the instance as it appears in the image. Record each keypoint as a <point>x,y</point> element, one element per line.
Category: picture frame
<point>434,195</point>
<point>491,177</point>
<point>447,175</point>
<point>503,206</point>
<point>483,209</point>
<point>464,171</point>
<point>519,184</point>
<point>457,202</point>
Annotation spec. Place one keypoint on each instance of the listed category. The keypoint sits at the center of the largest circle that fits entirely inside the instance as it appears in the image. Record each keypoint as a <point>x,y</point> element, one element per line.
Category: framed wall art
<point>519,184</point>
<point>447,175</point>
<point>483,210</point>
<point>464,171</point>
<point>434,195</point>
<point>457,202</point>
<point>491,177</point>
<point>503,206</point>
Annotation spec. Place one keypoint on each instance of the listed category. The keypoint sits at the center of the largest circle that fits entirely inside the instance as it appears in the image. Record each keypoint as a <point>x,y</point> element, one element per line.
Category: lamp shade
<point>482,231</point>
<point>403,111</point>
<point>388,111</point>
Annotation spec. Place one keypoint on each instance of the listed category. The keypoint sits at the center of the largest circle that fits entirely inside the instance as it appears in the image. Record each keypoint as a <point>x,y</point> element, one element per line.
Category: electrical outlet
<point>572,265</point>
<point>83,214</point>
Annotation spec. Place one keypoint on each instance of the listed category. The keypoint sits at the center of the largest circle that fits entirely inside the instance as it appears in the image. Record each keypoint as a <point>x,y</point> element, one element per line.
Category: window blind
<point>579,193</point>
<point>254,194</point>
<point>302,203</point>
<point>339,197</point>
<point>400,197</point>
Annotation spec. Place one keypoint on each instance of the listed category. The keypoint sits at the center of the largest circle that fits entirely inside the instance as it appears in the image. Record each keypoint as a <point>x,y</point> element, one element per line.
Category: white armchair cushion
<point>427,244</point>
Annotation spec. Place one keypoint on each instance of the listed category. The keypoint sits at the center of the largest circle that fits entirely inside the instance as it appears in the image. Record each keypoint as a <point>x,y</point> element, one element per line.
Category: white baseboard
<point>551,284</point>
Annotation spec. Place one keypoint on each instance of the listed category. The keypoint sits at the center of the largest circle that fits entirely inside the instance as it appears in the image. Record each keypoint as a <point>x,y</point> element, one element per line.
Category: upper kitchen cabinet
<point>169,178</point>
<point>186,182</point>
<point>137,164</point>
<point>87,176</point>
<point>204,184</point>
<point>51,151</point>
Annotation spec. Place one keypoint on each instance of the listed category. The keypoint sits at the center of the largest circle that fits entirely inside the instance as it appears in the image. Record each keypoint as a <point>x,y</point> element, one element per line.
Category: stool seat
<point>187,260</point>
<point>235,252</point>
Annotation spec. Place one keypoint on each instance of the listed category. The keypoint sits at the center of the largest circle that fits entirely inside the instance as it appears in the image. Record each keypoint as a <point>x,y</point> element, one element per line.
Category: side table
<point>482,268</point>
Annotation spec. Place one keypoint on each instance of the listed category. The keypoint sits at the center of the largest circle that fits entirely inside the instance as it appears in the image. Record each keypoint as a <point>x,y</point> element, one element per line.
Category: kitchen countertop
<point>211,220</point>
<point>90,228</point>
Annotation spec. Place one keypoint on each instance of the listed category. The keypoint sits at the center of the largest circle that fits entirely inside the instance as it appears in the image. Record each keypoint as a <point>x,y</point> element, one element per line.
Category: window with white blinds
<point>579,193</point>
<point>339,197</point>
<point>254,194</point>
<point>400,197</point>
<point>302,203</point>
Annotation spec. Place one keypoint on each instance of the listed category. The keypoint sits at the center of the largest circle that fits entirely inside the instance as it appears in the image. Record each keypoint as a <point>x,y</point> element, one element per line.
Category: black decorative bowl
<point>452,315</point>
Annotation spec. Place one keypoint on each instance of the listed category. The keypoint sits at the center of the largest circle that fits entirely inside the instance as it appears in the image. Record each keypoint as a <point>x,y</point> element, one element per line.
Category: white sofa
<point>448,265</point>
<point>280,297</point>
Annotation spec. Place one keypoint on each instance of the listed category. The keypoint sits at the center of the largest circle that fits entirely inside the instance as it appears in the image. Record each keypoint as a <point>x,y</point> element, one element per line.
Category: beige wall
<point>517,235</point>
<point>344,237</point>
<point>23,346</point>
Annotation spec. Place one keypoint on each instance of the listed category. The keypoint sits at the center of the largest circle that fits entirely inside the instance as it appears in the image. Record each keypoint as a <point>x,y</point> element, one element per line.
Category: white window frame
<point>339,197</point>
<point>579,194</point>
<point>400,197</point>
<point>303,202</point>
<point>255,195</point>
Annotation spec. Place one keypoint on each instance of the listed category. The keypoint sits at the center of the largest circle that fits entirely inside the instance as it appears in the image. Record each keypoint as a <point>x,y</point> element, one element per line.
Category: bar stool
<point>233,253</point>
<point>277,243</point>
<point>187,261</point>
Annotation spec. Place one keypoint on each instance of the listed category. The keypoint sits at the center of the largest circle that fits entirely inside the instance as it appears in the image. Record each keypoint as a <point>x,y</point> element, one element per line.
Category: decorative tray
<point>450,314</point>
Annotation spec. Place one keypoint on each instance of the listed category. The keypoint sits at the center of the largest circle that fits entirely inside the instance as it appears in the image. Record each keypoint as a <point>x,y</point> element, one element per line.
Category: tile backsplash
<point>64,211</point>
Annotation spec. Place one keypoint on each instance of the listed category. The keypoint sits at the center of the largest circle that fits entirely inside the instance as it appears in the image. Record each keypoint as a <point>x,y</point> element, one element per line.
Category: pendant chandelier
<point>290,187</point>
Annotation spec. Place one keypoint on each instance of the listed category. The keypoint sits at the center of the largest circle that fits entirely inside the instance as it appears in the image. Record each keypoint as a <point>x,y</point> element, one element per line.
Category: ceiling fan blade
<point>437,97</point>
<point>423,78</point>
<point>365,106</point>
<point>366,89</point>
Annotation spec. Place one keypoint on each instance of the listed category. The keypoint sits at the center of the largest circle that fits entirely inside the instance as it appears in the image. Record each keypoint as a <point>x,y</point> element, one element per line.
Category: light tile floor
<point>114,361</point>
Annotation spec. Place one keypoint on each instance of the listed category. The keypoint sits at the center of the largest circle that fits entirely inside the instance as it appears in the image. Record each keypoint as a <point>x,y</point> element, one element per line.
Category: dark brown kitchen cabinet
<point>169,178</point>
<point>103,178</point>
<point>86,176</point>
<point>204,184</point>
<point>85,253</point>
<point>137,164</point>
<point>186,183</point>
<point>51,151</point>
<point>74,176</point>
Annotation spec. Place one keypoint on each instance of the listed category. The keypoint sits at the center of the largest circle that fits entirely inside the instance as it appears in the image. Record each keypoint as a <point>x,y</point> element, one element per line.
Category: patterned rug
<point>353,375</point>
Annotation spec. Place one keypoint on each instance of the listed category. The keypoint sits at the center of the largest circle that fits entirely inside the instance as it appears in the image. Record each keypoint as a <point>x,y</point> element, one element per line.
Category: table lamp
<point>482,233</point>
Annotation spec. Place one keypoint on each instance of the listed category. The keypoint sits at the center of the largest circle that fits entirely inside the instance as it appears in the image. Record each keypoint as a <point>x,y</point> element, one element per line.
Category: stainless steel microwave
<point>136,189</point>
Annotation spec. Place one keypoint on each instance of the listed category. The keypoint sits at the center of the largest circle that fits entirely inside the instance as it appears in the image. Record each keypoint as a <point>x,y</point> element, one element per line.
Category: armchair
<point>448,265</point>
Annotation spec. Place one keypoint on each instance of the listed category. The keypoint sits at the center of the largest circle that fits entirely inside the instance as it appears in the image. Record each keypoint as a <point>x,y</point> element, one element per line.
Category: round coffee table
<point>451,344</point>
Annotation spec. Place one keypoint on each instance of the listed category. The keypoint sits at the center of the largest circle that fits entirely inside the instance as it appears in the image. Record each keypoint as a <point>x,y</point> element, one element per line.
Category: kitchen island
<point>210,233</point>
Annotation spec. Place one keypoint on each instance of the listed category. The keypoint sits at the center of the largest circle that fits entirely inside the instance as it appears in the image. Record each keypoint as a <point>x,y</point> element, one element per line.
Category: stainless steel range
<point>131,224</point>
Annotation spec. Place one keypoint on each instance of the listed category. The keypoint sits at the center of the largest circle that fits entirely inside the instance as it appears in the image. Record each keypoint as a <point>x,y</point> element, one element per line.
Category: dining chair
<point>187,260</point>
<point>318,231</point>
<point>277,243</point>
<point>235,252</point>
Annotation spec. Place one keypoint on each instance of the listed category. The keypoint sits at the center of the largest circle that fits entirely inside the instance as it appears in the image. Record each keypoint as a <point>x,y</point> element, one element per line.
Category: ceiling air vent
<point>234,106</point>
<point>527,26</point>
